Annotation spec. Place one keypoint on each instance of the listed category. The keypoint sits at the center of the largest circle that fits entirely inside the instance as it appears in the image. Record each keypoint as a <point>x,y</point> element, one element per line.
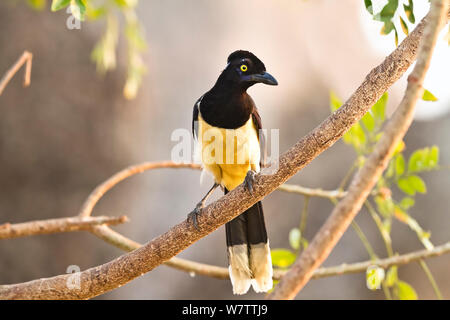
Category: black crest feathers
<point>242,54</point>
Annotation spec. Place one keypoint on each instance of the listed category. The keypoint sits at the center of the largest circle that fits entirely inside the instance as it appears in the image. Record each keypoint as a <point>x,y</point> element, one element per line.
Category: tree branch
<point>98,280</point>
<point>98,192</point>
<point>217,272</point>
<point>329,194</point>
<point>126,244</point>
<point>383,263</point>
<point>365,179</point>
<point>32,228</point>
<point>26,57</point>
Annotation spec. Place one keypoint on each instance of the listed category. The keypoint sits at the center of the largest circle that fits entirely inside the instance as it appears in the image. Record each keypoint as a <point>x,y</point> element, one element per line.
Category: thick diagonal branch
<point>365,179</point>
<point>98,280</point>
<point>122,242</point>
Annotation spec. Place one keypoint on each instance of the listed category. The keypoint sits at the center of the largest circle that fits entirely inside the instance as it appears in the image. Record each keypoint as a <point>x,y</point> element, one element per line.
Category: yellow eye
<point>244,67</point>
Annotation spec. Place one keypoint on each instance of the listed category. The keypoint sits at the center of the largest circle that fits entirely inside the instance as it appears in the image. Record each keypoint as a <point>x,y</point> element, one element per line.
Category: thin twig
<point>364,240</point>
<point>430,277</point>
<point>304,215</point>
<point>98,192</point>
<point>330,194</point>
<point>363,182</point>
<point>26,57</point>
<point>32,228</point>
<point>348,175</point>
<point>358,267</point>
<point>384,234</point>
<point>384,263</point>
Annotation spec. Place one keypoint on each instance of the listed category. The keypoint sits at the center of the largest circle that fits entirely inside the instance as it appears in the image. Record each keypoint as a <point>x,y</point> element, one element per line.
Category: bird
<point>227,126</point>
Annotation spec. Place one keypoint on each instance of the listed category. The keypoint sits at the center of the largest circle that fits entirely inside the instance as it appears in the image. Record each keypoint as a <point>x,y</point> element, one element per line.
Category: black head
<point>244,69</point>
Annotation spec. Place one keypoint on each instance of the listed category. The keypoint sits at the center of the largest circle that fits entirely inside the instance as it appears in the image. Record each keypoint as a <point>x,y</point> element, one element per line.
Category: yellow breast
<point>229,153</point>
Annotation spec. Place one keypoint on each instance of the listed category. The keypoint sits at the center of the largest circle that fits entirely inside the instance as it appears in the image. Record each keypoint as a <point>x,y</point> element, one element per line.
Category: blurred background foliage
<point>104,53</point>
<point>71,130</point>
<point>362,137</point>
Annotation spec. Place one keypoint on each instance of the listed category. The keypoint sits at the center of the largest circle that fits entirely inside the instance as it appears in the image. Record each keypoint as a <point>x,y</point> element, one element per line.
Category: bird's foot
<point>250,180</point>
<point>193,215</point>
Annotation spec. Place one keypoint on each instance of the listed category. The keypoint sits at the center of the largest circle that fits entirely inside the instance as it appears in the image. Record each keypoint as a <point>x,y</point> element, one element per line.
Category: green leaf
<point>374,277</point>
<point>417,183</point>
<point>412,184</point>
<point>126,3</point>
<point>399,164</point>
<point>388,26</point>
<point>104,53</point>
<point>378,109</point>
<point>407,203</point>
<point>59,4</point>
<point>416,161</point>
<point>424,159</point>
<point>37,4</point>
<point>369,121</point>
<point>385,206</point>
<point>282,258</point>
<point>387,224</point>
<point>304,243</point>
<point>404,185</point>
<point>404,26</point>
<point>94,13</point>
<point>409,10</point>
<point>335,102</point>
<point>392,276</point>
<point>369,7</point>
<point>405,291</point>
<point>135,37</point>
<point>428,96</point>
<point>355,136</point>
<point>390,169</point>
<point>388,11</point>
<point>396,37</point>
<point>432,159</point>
<point>294,238</point>
<point>78,9</point>
<point>399,148</point>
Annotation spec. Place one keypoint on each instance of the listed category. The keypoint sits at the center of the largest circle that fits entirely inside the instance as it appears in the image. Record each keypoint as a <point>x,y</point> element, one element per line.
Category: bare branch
<point>32,228</point>
<point>98,192</point>
<point>329,194</point>
<point>212,271</point>
<point>358,267</point>
<point>98,280</point>
<point>365,179</point>
<point>26,57</point>
<point>383,263</point>
<point>124,243</point>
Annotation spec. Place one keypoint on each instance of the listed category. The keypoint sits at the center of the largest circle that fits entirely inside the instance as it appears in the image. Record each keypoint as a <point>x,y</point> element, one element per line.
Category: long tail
<point>249,252</point>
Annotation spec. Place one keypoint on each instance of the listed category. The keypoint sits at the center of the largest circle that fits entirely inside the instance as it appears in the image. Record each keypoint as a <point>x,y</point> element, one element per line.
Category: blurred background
<point>72,129</point>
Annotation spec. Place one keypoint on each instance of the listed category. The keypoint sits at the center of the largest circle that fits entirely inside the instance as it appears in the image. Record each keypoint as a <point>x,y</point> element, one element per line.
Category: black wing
<point>195,117</point>
<point>261,137</point>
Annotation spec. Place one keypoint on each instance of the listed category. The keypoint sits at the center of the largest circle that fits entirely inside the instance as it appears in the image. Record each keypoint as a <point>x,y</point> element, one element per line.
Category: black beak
<point>264,77</point>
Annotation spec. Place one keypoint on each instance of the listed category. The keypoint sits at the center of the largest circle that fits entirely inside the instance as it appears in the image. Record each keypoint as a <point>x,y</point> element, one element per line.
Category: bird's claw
<point>250,180</point>
<point>193,215</point>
